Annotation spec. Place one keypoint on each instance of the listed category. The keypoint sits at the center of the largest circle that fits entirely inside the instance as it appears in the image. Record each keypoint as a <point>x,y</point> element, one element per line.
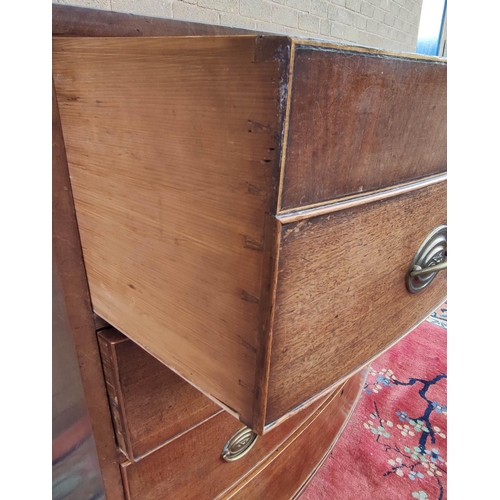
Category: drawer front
<point>150,404</point>
<point>191,468</point>
<point>292,467</point>
<point>341,297</point>
<point>359,122</point>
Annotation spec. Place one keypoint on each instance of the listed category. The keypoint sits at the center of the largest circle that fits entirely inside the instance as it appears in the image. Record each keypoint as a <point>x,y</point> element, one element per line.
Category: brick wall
<point>388,24</point>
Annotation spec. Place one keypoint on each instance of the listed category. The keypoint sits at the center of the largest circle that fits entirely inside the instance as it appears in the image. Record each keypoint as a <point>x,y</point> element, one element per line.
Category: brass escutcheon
<point>239,445</point>
<point>428,261</point>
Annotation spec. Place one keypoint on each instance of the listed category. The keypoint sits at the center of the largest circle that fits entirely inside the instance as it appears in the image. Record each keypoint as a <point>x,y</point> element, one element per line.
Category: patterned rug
<point>394,445</point>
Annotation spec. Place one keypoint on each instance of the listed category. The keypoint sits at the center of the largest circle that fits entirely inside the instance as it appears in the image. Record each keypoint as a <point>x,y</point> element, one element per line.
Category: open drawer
<point>249,206</point>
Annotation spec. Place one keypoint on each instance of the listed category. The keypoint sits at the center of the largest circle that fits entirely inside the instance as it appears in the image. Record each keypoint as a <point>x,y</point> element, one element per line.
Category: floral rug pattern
<point>394,446</point>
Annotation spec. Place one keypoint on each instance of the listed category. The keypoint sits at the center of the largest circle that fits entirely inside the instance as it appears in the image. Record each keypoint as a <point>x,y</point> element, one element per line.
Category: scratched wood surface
<point>171,145</point>
<point>150,403</point>
<point>341,296</point>
<point>371,121</point>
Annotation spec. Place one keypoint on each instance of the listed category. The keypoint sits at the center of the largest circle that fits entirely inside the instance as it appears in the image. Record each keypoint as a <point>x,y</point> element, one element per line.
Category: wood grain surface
<point>191,468</point>
<point>150,403</point>
<point>72,296</point>
<point>291,466</point>
<point>172,149</point>
<point>371,122</point>
<point>69,20</point>
<point>341,296</point>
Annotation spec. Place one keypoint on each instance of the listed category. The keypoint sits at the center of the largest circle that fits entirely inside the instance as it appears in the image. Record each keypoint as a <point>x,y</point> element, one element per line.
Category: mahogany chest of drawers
<point>249,208</point>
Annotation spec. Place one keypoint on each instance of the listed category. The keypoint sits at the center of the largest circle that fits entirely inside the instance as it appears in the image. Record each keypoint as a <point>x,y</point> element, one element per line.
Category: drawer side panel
<point>151,403</point>
<point>172,147</point>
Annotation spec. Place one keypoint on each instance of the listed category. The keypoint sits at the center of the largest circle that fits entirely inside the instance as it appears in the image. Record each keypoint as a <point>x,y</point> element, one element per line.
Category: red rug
<point>394,445</point>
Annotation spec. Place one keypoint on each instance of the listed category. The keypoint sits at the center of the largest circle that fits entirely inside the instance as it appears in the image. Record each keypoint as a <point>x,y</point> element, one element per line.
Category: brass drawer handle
<point>430,258</point>
<point>418,271</point>
<point>239,445</point>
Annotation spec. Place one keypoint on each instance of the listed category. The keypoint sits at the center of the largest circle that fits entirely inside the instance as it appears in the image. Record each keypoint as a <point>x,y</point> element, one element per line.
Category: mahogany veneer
<point>341,297</point>
<point>371,122</point>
